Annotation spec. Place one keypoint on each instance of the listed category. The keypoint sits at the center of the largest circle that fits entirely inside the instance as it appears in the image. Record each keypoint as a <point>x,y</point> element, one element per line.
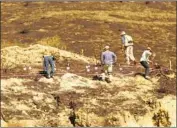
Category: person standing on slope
<point>145,61</point>
<point>127,46</point>
<point>49,60</point>
<point>108,58</point>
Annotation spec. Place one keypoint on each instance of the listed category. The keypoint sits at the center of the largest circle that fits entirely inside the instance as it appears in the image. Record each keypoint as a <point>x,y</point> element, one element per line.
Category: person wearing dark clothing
<point>145,61</point>
<point>146,66</point>
<point>49,61</point>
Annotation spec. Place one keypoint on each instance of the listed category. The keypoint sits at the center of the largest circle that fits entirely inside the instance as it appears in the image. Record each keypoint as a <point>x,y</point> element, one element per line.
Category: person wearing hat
<point>127,45</point>
<point>145,61</point>
<point>108,58</point>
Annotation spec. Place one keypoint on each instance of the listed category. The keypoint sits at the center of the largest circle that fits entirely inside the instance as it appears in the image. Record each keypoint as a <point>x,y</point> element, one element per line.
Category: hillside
<point>127,101</point>
<point>31,100</point>
<point>85,27</point>
<point>76,32</point>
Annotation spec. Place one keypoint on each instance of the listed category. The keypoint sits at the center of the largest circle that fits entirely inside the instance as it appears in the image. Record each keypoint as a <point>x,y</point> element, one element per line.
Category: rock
<point>69,81</point>
<point>46,80</point>
<point>49,100</point>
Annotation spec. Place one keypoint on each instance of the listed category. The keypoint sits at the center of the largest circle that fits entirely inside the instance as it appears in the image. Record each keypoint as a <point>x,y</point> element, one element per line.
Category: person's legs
<point>127,55</point>
<point>146,66</point>
<point>51,62</point>
<point>110,69</point>
<point>147,70</point>
<point>132,58</point>
<point>104,72</point>
<point>46,66</point>
<point>106,69</point>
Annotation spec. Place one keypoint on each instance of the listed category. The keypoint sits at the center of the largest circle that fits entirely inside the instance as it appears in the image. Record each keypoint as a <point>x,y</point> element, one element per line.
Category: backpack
<point>129,38</point>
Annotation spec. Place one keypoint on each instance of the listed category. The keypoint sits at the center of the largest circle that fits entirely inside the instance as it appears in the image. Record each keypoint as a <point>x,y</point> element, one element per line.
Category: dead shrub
<point>167,85</point>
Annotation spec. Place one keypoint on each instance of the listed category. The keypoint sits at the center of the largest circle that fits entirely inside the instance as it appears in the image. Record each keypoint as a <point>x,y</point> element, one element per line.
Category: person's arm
<point>54,61</point>
<point>149,59</point>
<point>123,43</point>
<point>115,57</point>
<point>44,64</point>
<point>54,64</point>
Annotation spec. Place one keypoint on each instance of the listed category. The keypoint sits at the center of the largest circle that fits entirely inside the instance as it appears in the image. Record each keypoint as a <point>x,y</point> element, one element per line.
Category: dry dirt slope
<point>91,25</point>
<point>127,101</point>
<point>73,26</point>
<point>15,56</point>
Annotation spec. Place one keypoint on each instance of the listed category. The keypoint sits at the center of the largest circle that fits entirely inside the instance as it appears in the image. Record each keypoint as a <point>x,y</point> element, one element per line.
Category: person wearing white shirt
<point>145,61</point>
<point>127,45</point>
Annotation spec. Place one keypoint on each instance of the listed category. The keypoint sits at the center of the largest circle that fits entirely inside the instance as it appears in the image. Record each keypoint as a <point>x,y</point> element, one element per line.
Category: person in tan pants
<point>127,45</point>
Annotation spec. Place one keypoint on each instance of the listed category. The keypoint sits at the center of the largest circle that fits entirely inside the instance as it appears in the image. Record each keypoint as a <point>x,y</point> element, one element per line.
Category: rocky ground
<point>127,101</point>
<point>76,32</point>
<point>69,99</point>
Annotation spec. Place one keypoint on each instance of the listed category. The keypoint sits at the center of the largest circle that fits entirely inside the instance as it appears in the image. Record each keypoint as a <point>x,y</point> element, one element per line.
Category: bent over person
<point>145,61</point>
<point>49,61</point>
<point>127,45</point>
<point>108,58</point>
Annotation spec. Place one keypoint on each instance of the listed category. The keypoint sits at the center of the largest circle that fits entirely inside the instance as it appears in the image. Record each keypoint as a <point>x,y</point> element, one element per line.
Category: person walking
<point>127,46</point>
<point>145,61</point>
<point>108,58</point>
<point>49,60</point>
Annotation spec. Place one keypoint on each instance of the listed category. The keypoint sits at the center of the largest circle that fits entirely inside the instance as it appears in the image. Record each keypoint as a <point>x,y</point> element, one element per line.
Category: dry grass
<point>140,18</point>
<point>167,85</point>
<point>15,43</point>
<point>54,41</point>
<point>85,28</point>
<point>152,24</point>
<point>16,56</point>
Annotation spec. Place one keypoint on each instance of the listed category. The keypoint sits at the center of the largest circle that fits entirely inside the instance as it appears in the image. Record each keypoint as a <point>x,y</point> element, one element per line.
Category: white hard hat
<point>106,47</point>
<point>122,33</point>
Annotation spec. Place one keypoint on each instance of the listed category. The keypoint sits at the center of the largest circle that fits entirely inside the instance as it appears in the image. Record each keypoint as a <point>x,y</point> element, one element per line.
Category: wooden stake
<point>170,65</point>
